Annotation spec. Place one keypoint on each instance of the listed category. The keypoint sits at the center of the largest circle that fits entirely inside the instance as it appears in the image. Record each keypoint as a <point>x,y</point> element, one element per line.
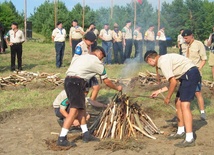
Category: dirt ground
<point>34,131</point>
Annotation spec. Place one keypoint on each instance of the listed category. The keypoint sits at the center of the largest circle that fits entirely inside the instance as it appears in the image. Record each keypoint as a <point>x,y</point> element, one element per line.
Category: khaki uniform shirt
<point>96,32</point>
<point>118,37</point>
<point>86,66</point>
<point>138,35</point>
<point>127,33</point>
<point>15,37</point>
<point>59,99</point>
<point>59,35</point>
<point>84,48</point>
<point>149,35</point>
<point>74,34</point>
<point>180,39</point>
<point>162,36</point>
<point>106,34</point>
<point>197,52</point>
<point>174,65</point>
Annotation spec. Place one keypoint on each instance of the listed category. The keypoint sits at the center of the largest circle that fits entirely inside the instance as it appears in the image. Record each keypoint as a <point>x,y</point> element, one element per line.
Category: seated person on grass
<point>61,106</point>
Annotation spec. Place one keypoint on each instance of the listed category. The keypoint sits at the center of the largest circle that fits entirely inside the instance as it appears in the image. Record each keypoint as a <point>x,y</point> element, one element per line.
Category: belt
<point>59,41</point>
<point>76,39</point>
<point>75,77</point>
<point>192,68</point>
<point>17,43</point>
<point>107,41</point>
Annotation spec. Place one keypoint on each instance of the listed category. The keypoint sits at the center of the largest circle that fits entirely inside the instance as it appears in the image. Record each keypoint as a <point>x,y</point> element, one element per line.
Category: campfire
<point>123,119</point>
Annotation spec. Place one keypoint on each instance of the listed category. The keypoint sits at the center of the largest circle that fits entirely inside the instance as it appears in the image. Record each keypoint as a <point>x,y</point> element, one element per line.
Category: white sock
<point>189,136</point>
<point>202,111</point>
<point>180,130</point>
<point>64,132</point>
<point>84,128</point>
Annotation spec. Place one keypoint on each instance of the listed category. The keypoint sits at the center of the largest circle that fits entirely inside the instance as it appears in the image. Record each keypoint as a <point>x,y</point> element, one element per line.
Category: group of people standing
<point>117,41</point>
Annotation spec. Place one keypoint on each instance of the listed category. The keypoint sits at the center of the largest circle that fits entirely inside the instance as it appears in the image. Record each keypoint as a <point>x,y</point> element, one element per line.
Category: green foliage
<point>8,14</point>
<point>196,15</point>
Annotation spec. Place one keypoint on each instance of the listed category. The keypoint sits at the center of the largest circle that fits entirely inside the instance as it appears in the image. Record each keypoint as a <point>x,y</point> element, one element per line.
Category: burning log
<point>123,119</point>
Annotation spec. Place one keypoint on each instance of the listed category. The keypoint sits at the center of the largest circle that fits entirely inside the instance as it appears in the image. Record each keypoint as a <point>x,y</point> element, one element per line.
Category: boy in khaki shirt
<point>176,67</point>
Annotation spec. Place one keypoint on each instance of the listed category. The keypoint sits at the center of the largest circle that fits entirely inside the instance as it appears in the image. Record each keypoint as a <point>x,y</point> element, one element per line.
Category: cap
<point>58,23</point>
<point>148,53</point>
<point>101,49</point>
<point>14,23</point>
<point>90,36</point>
<point>186,33</point>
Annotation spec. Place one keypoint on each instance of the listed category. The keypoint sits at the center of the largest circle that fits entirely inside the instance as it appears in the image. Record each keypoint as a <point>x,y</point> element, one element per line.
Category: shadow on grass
<point>24,67</point>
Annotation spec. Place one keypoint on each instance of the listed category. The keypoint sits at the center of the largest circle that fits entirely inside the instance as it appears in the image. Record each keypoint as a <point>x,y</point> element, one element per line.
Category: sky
<point>94,4</point>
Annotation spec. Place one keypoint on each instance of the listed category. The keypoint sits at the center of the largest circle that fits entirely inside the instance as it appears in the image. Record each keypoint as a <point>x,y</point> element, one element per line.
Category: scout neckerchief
<point>188,47</point>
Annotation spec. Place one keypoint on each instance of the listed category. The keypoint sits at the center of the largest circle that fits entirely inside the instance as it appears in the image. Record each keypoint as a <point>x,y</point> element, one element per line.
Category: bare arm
<point>63,112</point>
<point>111,85</point>
<point>172,86</point>
<point>203,62</point>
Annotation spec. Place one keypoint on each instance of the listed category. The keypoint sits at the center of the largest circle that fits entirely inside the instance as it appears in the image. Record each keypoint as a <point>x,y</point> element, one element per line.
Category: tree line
<point>196,15</point>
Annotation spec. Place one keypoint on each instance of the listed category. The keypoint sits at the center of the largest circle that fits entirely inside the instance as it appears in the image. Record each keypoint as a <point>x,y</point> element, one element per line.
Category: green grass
<point>40,57</point>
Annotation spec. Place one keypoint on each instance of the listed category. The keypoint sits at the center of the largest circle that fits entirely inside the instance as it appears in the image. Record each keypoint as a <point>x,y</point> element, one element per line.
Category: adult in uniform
<point>177,67</point>
<point>195,51</point>
<point>106,37</point>
<point>149,38</point>
<point>127,39</point>
<point>14,38</point>
<point>161,37</point>
<point>211,56</point>
<point>117,44</point>
<point>75,35</point>
<point>80,71</point>
<point>180,41</point>
<point>58,36</point>
<point>138,43</point>
<point>92,27</point>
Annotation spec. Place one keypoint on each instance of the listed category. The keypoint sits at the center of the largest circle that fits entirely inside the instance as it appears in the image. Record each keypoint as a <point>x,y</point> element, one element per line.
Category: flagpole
<point>83,14</point>
<point>135,13</point>
<point>25,19</point>
<point>112,9</point>
<point>55,12</point>
<point>158,14</point>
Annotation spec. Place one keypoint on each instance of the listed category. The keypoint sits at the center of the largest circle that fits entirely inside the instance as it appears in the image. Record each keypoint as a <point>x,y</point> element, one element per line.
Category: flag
<point>140,1</point>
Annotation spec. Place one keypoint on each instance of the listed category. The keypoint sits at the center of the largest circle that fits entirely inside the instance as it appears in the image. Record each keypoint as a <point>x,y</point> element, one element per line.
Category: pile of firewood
<point>123,119</point>
<point>209,84</point>
<point>149,78</point>
<point>24,77</point>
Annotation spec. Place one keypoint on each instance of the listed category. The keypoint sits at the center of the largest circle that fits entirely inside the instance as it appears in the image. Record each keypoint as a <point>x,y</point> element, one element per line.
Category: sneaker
<point>176,136</point>
<point>62,141</point>
<point>203,116</point>
<point>88,137</point>
<point>185,143</point>
<point>60,122</point>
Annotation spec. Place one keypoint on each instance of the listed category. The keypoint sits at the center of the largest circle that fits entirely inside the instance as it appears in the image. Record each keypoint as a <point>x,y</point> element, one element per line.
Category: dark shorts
<point>58,113</point>
<point>93,82</point>
<point>75,90</point>
<point>188,84</point>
